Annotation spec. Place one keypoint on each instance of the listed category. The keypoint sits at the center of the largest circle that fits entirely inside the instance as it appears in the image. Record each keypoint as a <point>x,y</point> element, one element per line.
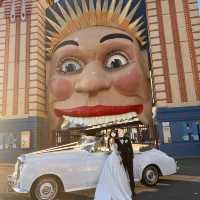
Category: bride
<point>114,181</point>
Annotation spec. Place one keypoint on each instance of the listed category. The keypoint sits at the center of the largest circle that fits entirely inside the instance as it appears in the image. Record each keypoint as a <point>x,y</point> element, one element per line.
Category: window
<point>186,131</point>
<point>10,141</point>
<point>166,132</point>
<point>25,139</point>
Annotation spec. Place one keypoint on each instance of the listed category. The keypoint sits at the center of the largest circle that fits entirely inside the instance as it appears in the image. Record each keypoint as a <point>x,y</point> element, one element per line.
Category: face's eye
<point>116,61</point>
<point>70,66</point>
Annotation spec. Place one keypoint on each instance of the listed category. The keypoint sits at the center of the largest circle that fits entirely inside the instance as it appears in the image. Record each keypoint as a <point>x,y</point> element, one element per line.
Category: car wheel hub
<point>151,176</point>
<point>47,191</point>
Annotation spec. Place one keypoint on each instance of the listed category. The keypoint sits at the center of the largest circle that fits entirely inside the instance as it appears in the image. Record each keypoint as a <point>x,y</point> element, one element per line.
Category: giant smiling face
<point>98,71</point>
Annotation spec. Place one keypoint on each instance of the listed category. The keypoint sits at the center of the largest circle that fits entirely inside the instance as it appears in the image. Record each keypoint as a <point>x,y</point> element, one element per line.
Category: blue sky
<point>199,4</point>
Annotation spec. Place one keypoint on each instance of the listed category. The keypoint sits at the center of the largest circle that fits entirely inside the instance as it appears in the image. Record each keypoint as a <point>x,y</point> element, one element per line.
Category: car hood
<point>69,151</point>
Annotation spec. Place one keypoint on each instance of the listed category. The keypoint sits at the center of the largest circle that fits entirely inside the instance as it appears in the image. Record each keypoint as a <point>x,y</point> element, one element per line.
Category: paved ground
<point>185,185</point>
<point>5,169</point>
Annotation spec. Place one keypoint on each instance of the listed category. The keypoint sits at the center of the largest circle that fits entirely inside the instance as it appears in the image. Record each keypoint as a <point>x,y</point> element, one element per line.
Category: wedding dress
<point>114,182</point>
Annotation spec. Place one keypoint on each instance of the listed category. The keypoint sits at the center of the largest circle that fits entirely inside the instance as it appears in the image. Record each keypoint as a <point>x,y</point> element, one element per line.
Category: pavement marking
<point>163,184</point>
<point>183,178</point>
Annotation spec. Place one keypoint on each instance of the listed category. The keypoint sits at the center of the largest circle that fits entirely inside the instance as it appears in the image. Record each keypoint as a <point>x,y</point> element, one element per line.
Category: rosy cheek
<point>61,88</point>
<point>129,83</point>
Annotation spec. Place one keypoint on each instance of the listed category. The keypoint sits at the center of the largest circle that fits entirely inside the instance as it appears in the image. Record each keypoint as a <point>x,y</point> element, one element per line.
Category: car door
<point>94,165</point>
<point>136,167</point>
<point>75,174</point>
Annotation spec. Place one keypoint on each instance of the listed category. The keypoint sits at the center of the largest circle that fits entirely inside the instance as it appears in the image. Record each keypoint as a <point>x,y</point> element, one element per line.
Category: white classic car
<point>77,166</point>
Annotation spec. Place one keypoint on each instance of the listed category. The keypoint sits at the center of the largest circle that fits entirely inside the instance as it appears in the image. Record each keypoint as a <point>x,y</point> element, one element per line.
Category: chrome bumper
<point>10,183</point>
<point>14,186</point>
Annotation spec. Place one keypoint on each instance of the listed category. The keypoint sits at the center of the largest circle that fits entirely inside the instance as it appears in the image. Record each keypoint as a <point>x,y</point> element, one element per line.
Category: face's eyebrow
<point>67,42</point>
<point>115,36</point>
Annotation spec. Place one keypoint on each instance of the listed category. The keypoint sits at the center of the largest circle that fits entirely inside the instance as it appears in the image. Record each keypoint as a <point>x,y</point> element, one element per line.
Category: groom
<point>126,152</point>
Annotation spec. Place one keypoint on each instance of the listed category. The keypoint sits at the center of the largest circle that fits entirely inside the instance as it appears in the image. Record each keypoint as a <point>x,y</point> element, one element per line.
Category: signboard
<point>25,139</point>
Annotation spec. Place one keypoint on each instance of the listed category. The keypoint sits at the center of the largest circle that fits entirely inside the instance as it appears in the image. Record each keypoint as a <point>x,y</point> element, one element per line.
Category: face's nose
<point>93,79</point>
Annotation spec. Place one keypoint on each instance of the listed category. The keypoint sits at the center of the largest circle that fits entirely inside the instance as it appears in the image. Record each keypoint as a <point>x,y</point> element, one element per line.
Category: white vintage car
<point>77,166</point>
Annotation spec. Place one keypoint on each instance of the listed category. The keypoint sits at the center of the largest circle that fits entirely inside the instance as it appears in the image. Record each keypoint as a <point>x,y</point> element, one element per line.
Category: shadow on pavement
<point>171,189</point>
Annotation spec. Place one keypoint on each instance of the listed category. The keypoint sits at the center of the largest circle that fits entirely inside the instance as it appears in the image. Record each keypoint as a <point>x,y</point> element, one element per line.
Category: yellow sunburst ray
<point>80,15</point>
<point>143,38</point>
<point>118,8</point>
<point>66,30</point>
<point>135,23</point>
<point>91,6</point>
<point>49,38</point>
<point>139,33</point>
<point>50,33</point>
<point>59,19</point>
<point>133,11</point>
<point>48,49</point>
<point>125,24</point>
<point>143,43</point>
<point>98,6</point>
<point>64,13</point>
<point>111,9</point>
<point>70,9</point>
<point>84,5</point>
<point>53,24</point>
<point>92,13</point>
<point>105,6</point>
<point>139,26</point>
<point>77,8</point>
<point>50,2</point>
<point>125,11</point>
<point>98,12</point>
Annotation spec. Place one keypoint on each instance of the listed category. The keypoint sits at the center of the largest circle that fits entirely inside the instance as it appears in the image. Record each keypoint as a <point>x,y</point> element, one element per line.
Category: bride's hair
<point>113,134</point>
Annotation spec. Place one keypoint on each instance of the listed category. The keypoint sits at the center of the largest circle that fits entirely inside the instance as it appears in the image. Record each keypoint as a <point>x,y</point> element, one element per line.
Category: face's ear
<point>145,63</point>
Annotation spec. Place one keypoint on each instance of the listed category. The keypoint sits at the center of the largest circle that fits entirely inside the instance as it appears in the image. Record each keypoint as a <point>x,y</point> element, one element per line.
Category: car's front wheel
<point>46,188</point>
<point>150,176</point>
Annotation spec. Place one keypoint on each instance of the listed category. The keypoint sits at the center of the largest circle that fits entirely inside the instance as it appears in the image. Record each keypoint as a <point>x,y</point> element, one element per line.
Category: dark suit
<point>126,152</point>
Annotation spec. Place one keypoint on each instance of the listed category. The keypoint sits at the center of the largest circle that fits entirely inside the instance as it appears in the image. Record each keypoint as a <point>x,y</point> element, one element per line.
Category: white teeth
<point>87,121</point>
<point>108,119</point>
<point>65,122</point>
<point>91,121</point>
<point>131,115</point>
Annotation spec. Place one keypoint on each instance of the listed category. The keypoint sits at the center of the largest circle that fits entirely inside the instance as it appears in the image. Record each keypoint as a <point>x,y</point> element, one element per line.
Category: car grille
<point>17,169</point>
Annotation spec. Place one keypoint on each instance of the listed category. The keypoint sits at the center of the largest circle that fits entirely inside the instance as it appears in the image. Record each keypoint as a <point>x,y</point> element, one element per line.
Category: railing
<point>65,137</point>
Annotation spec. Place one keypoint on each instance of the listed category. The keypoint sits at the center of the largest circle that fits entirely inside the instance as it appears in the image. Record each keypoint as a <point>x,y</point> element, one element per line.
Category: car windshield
<point>98,144</point>
<point>93,144</point>
<point>86,140</point>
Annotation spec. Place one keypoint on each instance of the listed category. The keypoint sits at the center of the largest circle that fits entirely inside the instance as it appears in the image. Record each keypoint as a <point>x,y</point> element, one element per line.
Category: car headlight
<point>19,166</point>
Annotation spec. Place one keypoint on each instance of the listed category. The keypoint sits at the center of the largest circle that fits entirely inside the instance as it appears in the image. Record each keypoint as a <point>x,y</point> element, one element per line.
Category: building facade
<point>174,30</point>
<point>23,112</point>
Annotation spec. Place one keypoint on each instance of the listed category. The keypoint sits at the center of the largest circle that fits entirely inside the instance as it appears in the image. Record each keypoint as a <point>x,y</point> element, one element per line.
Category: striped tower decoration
<point>174,29</point>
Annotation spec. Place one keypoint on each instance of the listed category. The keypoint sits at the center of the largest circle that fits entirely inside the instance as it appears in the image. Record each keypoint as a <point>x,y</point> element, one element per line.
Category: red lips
<point>99,110</point>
